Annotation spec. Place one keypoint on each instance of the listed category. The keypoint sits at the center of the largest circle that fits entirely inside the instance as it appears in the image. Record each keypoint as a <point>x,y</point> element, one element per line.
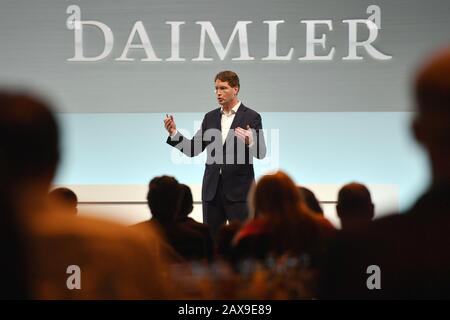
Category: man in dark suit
<point>232,136</point>
<point>405,256</point>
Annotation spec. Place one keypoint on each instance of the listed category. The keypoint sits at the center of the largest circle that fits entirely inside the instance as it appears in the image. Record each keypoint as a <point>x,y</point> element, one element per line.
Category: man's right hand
<point>170,125</point>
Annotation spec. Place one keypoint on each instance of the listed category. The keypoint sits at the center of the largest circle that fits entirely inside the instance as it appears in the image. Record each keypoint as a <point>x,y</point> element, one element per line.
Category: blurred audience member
<point>12,243</point>
<point>224,241</point>
<point>354,207</point>
<point>164,199</point>
<point>283,223</point>
<point>405,256</point>
<point>187,205</point>
<point>64,200</point>
<point>112,261</point>
<point>311,201</point>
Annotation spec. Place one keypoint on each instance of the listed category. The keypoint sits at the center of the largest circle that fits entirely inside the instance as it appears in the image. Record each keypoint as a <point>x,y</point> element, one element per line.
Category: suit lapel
<point>217,120</point>
<point>217,123</point>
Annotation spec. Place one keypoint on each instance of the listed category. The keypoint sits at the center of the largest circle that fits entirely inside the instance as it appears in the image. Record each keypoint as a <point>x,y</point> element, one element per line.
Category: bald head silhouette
<point>354,207</point>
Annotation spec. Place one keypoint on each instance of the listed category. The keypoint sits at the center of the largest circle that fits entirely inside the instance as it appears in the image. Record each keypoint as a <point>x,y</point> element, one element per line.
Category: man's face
<point>224,93</point>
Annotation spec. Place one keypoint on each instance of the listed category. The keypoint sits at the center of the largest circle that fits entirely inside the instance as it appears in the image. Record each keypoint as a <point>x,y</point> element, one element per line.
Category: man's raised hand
<point>246,135</point>
<point>170,125</point>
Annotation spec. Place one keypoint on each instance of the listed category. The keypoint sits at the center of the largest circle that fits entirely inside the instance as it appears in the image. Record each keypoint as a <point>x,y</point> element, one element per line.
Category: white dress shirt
<point>227,119</point>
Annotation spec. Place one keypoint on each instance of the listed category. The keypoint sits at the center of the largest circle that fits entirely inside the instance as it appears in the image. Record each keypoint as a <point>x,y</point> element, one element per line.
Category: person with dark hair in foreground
<point>61,256</point>
<point>405,256</point>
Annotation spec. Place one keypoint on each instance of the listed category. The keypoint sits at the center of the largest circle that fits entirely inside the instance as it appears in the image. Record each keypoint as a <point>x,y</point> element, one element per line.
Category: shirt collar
<point>233,110</point>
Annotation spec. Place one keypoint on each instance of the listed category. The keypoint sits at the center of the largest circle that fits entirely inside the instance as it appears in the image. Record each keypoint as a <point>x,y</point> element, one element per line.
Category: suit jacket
<point>232,160</point>
<point>411,250</point>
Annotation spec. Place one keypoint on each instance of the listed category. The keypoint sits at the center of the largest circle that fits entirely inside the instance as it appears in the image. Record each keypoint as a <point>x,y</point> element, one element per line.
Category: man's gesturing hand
<point>245,135</point>
<point>169,124</point>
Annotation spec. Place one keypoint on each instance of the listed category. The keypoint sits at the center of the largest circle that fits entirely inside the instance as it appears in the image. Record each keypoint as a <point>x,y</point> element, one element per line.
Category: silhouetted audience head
<point>163,198</point>
<point>311,201</point>
<point>432,123</point>
<point>64,200</point>
<point>187,202</point>
<point>28,138</point>
<point>354,207</point>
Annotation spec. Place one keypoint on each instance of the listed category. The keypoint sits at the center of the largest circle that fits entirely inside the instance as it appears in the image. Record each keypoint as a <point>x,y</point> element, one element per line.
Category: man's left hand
<point>246,135</point>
